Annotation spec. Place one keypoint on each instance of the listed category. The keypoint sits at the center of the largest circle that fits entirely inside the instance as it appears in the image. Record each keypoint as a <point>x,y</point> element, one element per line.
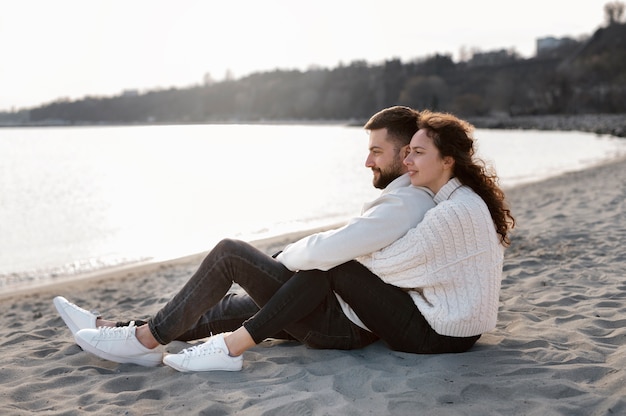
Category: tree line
<point>586,76</point>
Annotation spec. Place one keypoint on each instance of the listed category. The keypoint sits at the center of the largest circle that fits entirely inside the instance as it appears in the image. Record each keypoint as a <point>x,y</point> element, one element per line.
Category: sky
<point>70,49</point>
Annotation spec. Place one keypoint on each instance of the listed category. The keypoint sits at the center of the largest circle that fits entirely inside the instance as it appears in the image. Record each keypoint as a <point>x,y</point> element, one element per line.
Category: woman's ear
<point>448,162</point>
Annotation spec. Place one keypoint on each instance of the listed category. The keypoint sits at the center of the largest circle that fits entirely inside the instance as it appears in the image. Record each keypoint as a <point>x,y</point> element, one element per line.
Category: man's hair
<point>400,122</point>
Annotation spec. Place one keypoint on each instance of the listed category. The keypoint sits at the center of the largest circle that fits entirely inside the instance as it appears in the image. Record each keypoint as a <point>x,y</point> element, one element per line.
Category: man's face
<point>384,159</point>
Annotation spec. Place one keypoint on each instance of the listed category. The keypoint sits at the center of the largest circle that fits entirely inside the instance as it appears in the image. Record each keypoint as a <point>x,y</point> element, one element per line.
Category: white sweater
<point>451,263</point>
<point>399,208</point>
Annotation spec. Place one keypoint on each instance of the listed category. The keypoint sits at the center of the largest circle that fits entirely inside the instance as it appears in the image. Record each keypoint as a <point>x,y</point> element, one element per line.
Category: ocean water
<point>82,199</point>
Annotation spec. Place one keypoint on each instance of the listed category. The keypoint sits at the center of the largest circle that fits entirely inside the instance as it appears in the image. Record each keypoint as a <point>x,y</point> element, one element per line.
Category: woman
<point>439,283</point>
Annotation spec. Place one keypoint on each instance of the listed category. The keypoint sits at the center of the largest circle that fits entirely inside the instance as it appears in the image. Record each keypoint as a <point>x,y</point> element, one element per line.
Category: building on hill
<point>548,45</point>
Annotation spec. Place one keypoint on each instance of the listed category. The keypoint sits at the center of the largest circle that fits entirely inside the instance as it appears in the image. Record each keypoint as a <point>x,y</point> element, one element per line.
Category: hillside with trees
<point>584,76</point>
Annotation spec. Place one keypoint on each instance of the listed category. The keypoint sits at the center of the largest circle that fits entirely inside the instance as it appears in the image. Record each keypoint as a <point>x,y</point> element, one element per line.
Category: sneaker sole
<point>149,360</point>
<point>187,370</point>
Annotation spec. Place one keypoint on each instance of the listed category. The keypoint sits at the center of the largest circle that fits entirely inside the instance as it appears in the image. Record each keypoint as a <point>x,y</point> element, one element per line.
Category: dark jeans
<point>301,306</point>
<point>390,313</point>
<point>229,314</point>
<point>307,312</point>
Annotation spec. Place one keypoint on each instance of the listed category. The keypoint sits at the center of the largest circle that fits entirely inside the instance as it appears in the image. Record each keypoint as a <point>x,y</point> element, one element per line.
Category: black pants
<point>390,312</point>
<point>283,303</point>
<point>303,305</point>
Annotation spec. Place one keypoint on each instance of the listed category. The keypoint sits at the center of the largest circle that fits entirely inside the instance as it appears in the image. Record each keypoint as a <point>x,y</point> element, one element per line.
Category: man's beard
<point>387,176</point>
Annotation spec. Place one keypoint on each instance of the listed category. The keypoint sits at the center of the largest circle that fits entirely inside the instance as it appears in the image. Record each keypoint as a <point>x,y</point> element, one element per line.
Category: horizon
<point>103,48</point>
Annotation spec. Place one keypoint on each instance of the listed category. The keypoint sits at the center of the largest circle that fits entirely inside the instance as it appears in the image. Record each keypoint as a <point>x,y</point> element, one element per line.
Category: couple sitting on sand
<point>419,269</point>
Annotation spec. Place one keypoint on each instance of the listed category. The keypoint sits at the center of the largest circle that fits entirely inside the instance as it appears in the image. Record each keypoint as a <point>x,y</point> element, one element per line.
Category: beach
<point>559,347</point>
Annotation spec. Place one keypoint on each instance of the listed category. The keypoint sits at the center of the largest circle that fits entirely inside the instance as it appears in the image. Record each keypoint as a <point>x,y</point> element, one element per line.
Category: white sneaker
<point>209,356</point>
<point>118,344</point>
<point>74,317</point>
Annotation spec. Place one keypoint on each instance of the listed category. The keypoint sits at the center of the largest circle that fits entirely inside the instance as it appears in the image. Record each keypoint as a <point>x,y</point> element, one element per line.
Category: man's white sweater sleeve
<point>384,221</point>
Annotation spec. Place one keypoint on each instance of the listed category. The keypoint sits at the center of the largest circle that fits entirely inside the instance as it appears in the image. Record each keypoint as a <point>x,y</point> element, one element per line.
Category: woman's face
<point>425,164</point>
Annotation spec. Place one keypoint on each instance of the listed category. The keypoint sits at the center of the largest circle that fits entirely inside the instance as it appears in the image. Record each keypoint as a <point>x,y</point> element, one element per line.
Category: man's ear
<point>405,151</point>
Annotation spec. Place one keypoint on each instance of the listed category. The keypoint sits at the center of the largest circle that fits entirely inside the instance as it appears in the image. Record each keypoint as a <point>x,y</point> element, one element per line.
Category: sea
<point>76,200</point>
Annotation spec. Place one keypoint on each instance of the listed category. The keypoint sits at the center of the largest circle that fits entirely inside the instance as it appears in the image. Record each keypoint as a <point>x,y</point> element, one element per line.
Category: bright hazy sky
<point>54,49</point>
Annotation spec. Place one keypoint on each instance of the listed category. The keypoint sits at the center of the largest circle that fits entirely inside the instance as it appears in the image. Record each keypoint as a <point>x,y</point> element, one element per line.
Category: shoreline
<point>268,245</point>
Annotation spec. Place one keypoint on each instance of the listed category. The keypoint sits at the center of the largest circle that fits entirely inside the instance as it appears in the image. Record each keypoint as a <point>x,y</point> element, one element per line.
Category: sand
<point>559,347</point>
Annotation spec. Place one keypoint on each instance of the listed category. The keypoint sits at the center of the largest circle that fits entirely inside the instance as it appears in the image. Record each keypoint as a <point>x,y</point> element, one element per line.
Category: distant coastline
<point>612,124</point>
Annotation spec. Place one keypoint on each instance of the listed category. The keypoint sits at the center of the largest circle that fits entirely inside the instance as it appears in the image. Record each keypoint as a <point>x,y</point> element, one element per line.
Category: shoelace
<point>199,350</point>
<point>116,332</point>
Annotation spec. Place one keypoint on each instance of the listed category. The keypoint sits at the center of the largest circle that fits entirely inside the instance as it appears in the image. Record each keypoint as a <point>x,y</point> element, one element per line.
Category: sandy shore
<point>559,347</point>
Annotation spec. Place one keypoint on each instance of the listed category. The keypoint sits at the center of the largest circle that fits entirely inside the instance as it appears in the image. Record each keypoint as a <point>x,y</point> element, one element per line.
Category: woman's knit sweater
<point>451,263</point>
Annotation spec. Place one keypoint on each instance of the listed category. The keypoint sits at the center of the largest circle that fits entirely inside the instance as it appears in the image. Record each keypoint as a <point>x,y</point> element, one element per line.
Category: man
<point>191,314</point>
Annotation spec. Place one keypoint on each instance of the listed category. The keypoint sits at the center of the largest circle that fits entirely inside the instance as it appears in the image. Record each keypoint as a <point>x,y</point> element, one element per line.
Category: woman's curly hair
<point>454,137</point>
